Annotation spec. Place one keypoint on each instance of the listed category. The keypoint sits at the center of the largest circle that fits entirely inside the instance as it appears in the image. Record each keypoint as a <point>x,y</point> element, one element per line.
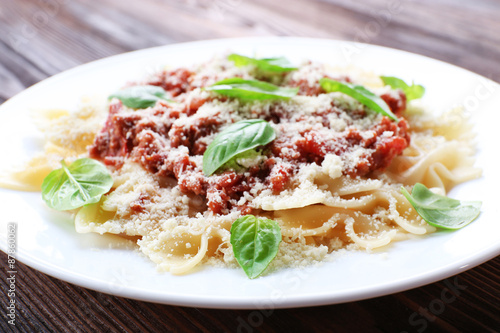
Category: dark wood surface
<point>39,38</point>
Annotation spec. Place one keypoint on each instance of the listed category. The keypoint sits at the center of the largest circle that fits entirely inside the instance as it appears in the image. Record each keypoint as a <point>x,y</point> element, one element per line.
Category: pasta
<point>331,178</point>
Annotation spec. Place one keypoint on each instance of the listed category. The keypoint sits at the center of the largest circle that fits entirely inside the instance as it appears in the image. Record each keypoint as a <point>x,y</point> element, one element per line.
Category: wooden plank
<point>39,38</point>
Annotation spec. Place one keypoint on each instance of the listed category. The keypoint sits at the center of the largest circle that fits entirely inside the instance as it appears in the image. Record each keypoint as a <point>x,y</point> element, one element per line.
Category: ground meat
<point>396,100</point>
<point>175,82</point>
<point>224,188</point>
<point>306,89</point>
<point>279,176</point>
<point>188,133</point>
<point>382,142</point>
<point>118,137</point>
<point>137,206</point>
<point>152,152</point>
<point>113,143</point>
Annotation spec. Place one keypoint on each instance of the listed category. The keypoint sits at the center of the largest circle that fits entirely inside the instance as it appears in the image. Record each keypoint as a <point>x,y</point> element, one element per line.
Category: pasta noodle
<point>323,206</point>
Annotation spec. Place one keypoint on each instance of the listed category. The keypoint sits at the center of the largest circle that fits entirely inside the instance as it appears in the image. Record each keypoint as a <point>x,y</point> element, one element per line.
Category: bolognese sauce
<point>169,139</point>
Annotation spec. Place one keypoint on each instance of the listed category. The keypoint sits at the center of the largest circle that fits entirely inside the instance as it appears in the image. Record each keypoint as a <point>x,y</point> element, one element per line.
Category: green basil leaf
<point>140,97</point>
<point>251,90</point>
<point>277,65</point>
<point>441,211</point>
<point>255,243</point>
<point>234,140</point>
<point>359,93</point>
<point>415,91</point>
<point>81,183</point>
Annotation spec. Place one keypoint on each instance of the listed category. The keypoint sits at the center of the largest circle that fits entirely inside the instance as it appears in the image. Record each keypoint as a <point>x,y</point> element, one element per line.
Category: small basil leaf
<point>255,243</point>
<point>415,91</point>
<point>236,139</point>
<point>251,90</point>
<point>278,65</point>
<point>441,211</point>
<point>359,93</point>
<point>140,97</point>
<point>81,183</point>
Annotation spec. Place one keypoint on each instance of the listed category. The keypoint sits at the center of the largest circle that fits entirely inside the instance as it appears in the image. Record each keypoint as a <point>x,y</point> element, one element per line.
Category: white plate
<point>48,242</point>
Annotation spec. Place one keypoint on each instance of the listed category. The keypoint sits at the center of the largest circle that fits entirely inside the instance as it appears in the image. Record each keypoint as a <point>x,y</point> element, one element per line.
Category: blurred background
<point>39,38</point>
<point>43,37</point>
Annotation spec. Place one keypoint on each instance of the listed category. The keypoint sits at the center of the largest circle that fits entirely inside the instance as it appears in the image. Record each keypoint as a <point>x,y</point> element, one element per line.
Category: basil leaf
<point>251,90</point>
<point>415,91</point>
<point>236,139</point>
<point>441,211</point>
<point>140,97</point>
<point>255,243</point>
<point>81,183</point>
<point>278,65</point>
<point>359,93</point>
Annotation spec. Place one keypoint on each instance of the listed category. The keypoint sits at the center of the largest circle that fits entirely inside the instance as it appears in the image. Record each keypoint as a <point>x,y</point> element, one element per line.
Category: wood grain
<point>50,305</point>
<point>39,38</point>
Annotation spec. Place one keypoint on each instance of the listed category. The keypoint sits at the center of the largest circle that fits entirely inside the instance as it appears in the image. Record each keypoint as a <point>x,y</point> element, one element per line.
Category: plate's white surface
<point>47,240</point>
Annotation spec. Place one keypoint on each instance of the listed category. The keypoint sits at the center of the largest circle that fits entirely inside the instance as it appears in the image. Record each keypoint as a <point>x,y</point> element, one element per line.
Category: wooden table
<point>42,38</point>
